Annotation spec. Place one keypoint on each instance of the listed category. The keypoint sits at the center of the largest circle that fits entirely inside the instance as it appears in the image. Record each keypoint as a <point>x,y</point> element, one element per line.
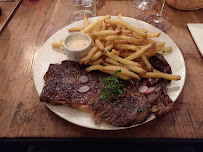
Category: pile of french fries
<point>117,45</point>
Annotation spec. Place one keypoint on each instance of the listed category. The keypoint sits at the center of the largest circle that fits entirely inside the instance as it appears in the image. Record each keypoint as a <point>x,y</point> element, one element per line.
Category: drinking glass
<point>80,9</point>
<point>144,4</point>
<point>158,20</point>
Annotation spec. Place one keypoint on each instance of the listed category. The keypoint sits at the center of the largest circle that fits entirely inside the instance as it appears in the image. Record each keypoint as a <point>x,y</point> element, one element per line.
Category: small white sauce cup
<point>76,55</point>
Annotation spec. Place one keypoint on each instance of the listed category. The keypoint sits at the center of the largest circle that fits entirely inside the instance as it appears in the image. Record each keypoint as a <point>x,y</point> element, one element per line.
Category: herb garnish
<point>139,110</point>
<point>112,87</point>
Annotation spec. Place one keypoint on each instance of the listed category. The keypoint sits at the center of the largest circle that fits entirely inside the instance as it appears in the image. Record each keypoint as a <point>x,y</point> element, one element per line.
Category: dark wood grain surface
<point>22,114</point>
<point>8,9</point>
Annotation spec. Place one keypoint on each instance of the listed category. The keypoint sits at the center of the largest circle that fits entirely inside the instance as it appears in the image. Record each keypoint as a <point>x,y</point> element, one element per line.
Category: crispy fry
<point>87,58</point>
<point>100,53</point>
<point>126,47</point>
<point>109,60</point>
<point>147,41</point>
<point>103,26</point>
<point>94,67</point>
<point>139,53</point>
<point>92,41</point>
<point>99,44</point>
<point>123,42</point>
<point>126,25</point>
<point>135,69</point>
<point>150,53</point>
<point>143,30</point>
<point>57,44</point>
<point>108,43</point>
<point>121,60</point>
<point>122,37</point>
<point>85,21</point>
<point>126,32</point>
<point>118,28</point>
<point>105,33</point>
<point>167,48</point>
<point>126,54</point>
<point>123,70</point>
<point>96,29</point>
<point>108,48</point>
<point>151,35</point>
<point>93,24</point>
<point>84,60</point>
<point>164,48</point>
<point>161,75</point>
<point>147,63</point>
<point>99,61</point>
<point>106,63</point>
<point>156,71</point>
<point>160,52</point>
<point>97,55</point>
<point>114,52</point>
<point>75,29</point>
<point>160,44</point>
<point>119,16</point>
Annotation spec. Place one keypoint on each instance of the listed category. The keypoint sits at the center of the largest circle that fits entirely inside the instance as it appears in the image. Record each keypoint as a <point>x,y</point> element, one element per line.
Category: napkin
<point>196,31</point>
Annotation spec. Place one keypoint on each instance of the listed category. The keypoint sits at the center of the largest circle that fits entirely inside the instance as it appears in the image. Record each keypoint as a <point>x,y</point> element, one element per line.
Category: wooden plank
<point>17,43</point>
<point>8,8</point>
<point>25,116</point>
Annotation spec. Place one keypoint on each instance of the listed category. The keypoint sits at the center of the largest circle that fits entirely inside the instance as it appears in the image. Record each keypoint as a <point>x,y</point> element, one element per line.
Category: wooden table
<point>22,114</point>
<point>8,10</point>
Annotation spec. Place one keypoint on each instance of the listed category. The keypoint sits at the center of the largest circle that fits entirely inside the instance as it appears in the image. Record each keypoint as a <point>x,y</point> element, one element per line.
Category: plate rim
<point>113,127</point>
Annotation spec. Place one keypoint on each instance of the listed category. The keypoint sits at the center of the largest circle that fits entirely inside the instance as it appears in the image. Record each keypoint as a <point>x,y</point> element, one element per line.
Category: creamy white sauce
<point>77,43</point>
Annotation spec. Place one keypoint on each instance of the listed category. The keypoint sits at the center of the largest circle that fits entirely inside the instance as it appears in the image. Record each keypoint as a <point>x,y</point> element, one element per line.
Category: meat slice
<point>159,63</point>
<point>62,84</point>
<point>131,107</point>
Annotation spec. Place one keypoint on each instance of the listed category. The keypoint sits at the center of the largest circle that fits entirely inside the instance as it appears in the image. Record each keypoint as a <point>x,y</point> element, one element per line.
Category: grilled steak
<point>62,84</point>
<point>132,107</point>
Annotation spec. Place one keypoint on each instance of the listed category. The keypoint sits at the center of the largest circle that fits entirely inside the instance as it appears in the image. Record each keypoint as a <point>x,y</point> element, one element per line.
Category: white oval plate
<point>48,55</point>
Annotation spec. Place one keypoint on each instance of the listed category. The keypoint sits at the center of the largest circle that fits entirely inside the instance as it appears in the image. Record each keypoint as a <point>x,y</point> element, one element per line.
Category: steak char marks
<point>62,83</point>
<point>130,108</point>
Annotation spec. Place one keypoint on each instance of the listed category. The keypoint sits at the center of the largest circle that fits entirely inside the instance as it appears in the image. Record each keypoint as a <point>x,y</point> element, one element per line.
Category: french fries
<point>100,53</point>
<point>99,44</point>
<point>118,45</point>
<point>123,70</point>
<point>126,47</point>
<point>92,25</point>
<point>75,29</point>
<point>147,63</point>
<point>57,44</point>
<point>94,67</point>
<point>87,58</point>
<point>121,60</point>
<point>139,52</point>
<point>85,21</point>
<point>119,16</point>
<point>151,35</point>
<point>105,33</point>
<point>122,37</point>
<point>109,60</point>
<point>127,26</point>
<point>161,75</point>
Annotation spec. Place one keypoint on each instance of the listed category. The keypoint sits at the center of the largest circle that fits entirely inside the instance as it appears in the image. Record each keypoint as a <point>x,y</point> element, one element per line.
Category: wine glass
<point>158,20</point>
<point>80,9</point>
<point>144,4</point>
